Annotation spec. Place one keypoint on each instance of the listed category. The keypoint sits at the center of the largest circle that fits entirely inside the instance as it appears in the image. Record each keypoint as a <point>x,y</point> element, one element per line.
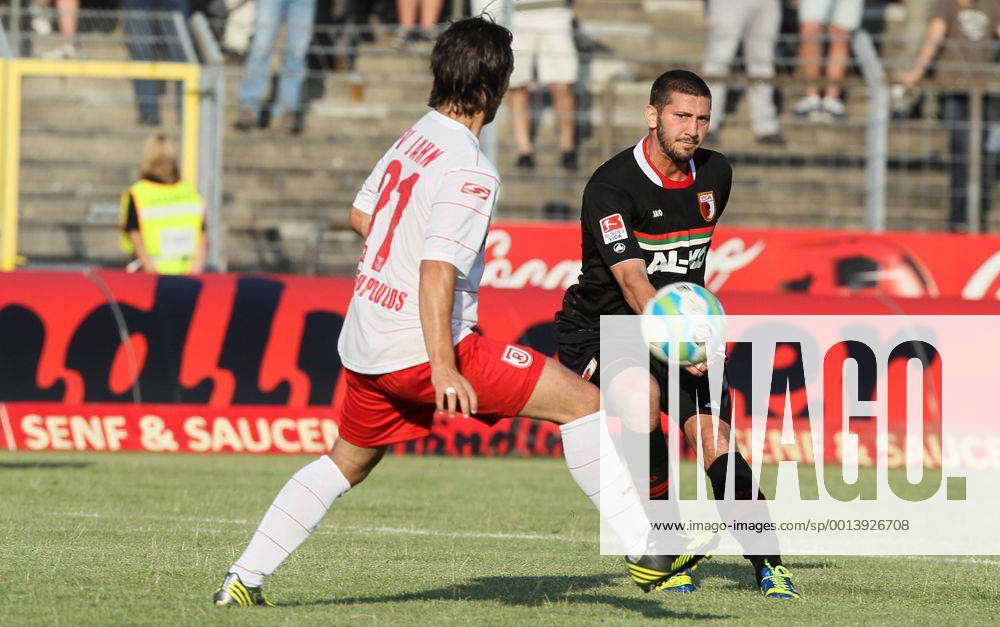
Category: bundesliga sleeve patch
<point>613,228</point>
<point>478,191</point>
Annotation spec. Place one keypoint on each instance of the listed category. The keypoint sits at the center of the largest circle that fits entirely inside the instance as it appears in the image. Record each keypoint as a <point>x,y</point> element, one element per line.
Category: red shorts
<point>381,409</point>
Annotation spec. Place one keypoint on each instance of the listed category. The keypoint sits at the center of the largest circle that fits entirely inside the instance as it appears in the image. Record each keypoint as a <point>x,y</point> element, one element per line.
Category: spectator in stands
<point>153,38</point>
<point>67,15</point>
<point>162,217</point>
<point>297,17</point>
<point>963,32</point>
<point>543,42</point>
<point>430,11</point>
<point>756,23</point>
<point>821,20</point>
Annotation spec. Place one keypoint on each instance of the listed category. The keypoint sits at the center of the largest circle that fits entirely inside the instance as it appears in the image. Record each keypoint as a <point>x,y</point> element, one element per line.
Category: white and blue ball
<point>687,315</point>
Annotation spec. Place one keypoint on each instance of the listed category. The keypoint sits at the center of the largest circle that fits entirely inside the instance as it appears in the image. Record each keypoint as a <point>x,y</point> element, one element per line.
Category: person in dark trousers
<point>153,38</point>
<point>962,31</point>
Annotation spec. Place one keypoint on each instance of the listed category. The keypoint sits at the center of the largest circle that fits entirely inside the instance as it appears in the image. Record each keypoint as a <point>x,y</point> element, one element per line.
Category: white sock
<point>605,480</point>
<point>293,515</point>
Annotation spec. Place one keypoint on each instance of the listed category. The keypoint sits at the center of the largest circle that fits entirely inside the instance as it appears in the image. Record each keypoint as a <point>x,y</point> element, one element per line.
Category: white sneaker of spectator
<point>65,51</point>
<point>807,105</point>
<point>834,107</point>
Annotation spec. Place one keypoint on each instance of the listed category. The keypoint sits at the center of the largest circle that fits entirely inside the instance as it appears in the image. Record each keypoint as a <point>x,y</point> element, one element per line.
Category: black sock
<point>743,489</point>
<point>743,477</point>
<point>657,484</point>
<point>659,466</point>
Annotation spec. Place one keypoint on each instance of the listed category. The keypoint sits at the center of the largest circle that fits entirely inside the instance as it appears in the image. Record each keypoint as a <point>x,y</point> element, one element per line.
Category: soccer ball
<point>684,310</point>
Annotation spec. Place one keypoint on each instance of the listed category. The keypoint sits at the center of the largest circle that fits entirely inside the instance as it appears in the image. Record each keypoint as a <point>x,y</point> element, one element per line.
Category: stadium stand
<point>285,197</point>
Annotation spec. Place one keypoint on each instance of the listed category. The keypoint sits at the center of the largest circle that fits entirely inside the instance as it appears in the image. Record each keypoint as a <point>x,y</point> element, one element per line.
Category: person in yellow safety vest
<point>162,217</point>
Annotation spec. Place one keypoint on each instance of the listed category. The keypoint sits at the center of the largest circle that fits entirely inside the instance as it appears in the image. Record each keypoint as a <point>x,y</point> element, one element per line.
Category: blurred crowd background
<point>809,94</point>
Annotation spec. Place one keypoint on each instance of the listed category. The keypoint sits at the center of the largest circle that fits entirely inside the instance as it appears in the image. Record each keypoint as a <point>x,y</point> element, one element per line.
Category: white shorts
<point>845,14</point>
<point>543,41</point>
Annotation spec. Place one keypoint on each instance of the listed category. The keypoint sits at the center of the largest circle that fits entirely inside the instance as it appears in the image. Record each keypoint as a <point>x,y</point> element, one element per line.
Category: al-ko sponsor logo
<point>728,257</point>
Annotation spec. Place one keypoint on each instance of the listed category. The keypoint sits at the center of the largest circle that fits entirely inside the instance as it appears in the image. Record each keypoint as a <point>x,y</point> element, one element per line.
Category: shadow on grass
<point>532,592</point>
<point>38,464</point>
<point>741,575</point>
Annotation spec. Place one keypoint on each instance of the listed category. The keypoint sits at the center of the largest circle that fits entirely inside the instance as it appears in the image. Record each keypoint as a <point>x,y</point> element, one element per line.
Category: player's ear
<point>652,116</point>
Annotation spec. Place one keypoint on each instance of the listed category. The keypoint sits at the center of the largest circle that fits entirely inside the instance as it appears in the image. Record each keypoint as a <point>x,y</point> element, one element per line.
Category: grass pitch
<point>140,538</point>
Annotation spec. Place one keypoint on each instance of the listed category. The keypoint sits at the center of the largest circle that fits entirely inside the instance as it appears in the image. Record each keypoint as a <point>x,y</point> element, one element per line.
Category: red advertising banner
<point>904,265</point>
<point>156,428</point>
<point>248,363</point>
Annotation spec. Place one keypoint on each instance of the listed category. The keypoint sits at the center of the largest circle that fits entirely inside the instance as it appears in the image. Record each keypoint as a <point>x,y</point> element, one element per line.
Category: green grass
<point>139,538</point>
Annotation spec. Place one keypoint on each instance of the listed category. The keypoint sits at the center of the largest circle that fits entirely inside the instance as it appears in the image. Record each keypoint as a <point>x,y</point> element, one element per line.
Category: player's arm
<point>360,222</point>
<point>360,216</point>
<point>454,241</point>
<point>634,283</point>
<point>937,28</point>
<point>608,215</point>
<point>437,297</point>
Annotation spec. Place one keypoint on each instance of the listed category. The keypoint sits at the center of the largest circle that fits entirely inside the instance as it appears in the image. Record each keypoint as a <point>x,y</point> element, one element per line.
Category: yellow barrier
<point>14,70</point>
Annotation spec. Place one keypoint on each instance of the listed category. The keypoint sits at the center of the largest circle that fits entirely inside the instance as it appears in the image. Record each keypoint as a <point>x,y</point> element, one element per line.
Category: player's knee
<point>586,401</point>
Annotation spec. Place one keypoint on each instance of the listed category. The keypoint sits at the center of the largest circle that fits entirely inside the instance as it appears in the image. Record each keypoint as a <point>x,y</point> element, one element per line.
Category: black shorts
<point>583,358</point>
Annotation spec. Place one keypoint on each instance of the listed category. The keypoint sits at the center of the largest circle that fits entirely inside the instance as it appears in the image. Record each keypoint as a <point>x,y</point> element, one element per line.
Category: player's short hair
<point>471,62</point>
<point>677,81</point>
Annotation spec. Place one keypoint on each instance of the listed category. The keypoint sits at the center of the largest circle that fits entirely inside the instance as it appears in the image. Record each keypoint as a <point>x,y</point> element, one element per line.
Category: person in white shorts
<point>543,43</point>
<point>837,19</point>
<point>756,23</point>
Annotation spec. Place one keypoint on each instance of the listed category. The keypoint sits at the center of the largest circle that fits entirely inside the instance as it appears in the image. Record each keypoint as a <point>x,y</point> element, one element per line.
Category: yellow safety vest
<point>170,223</point>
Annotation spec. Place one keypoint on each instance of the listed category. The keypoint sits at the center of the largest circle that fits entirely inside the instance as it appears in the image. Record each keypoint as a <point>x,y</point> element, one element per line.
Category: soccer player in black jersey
<point>648,217</point>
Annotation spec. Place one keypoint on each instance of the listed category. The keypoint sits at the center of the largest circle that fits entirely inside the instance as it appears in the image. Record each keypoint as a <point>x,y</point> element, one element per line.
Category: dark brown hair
<point>676,81</point>
<point>471,62</point>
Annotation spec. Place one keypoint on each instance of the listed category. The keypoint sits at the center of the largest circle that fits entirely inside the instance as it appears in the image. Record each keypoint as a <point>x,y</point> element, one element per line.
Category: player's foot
<point>776,582</point>
<point>233,592</point>
<point>653,572</point>
<point>682,582</point>
<point>526,162</point>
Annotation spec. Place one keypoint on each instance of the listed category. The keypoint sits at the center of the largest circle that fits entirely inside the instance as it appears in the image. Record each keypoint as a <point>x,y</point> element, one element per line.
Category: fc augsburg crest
<point>706,203</point>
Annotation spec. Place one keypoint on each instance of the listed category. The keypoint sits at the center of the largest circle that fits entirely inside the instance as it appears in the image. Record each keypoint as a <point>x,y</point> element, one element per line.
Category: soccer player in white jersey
<point>408,344</point>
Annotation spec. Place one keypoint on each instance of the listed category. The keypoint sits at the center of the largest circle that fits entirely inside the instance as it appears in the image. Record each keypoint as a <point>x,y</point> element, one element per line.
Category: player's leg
<point>293,515</point>
<point>561,396</point>
<point>641,429</point>
<point>714,433</point>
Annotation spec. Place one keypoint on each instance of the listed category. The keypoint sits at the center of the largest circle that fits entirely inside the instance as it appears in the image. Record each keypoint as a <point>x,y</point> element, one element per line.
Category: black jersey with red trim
<point>631,211</point>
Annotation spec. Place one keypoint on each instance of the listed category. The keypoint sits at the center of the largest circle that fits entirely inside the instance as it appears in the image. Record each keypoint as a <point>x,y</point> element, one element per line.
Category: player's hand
<point>697,369</point>
<point>453,391</point>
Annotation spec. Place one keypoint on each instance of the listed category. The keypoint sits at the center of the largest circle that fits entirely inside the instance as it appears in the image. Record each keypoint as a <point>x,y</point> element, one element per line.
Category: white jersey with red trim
<point>431,196</point>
